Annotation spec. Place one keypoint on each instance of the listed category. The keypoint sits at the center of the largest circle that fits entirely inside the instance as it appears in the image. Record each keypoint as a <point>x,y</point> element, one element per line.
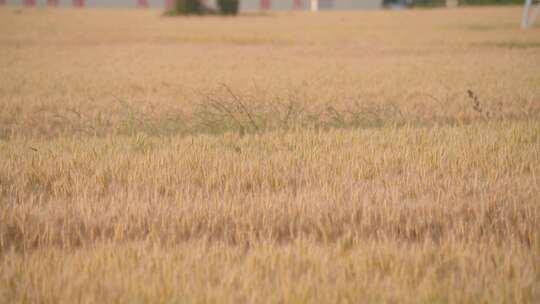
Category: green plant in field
<point>230,111</point>
<point>228,7</point>
<point>194,7</point>
<point>186,7</point>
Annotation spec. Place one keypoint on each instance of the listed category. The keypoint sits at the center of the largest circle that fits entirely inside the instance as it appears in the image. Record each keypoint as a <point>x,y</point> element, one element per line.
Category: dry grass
<point>287,158</point>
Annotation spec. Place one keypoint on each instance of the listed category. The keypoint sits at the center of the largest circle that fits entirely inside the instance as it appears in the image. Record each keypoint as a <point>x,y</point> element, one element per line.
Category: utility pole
<point>525,19</point>
<point>314,5</point>
<point>528,18</point>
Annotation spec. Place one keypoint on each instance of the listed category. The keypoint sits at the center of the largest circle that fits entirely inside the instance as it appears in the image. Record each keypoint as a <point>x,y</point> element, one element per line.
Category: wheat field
<point>339,157</point>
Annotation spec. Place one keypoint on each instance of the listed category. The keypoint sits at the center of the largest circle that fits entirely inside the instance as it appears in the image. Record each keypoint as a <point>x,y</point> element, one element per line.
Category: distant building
<point>245,5</point>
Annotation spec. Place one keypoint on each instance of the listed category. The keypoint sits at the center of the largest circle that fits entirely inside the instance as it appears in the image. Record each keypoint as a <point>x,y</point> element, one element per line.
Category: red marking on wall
<point>169,4</point>
<point>265,4</point>
<point>78,3</point>
<point>29,2</point>
<point>142,3</point>
<point>298,4</point>
<point>52,2</point>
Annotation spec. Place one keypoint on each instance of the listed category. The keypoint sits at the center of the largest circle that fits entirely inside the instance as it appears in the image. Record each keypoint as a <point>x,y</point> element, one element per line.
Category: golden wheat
<point>281,158</point>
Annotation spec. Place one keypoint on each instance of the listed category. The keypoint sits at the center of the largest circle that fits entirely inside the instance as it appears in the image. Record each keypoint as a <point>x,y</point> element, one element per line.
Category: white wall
<point>245,5</point>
